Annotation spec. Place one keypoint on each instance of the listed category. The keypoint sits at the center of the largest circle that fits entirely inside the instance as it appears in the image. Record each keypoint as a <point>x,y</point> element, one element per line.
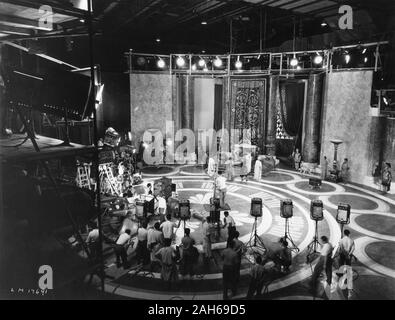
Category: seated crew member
<point>229,223</point>
<point>121,246</point>
<point>285,256</point>
<point>221,188</point>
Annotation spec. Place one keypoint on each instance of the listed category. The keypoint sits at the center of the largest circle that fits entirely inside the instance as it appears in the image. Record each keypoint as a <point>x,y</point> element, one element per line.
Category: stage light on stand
<point>286,211</point>
<point>316,214</point>
<point>343,214</point>
<point>256,207</point>
<point>180,62</point>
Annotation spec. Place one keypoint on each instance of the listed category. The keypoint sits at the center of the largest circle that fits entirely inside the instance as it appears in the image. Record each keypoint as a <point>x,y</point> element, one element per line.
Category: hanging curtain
<point>247,111</point>
<point>218,102</point>
<point>291,107</point>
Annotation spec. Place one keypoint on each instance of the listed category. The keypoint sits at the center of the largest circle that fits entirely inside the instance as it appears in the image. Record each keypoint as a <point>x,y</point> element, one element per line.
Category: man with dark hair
<point>346,249</point>
<point>188,252</point>
<point>121,247</point>
<point>92,241</point>
<point>142,252</point>
<point>168,227</point>
<point>229,223</point>
<point>154,241</point>
<point>230,261</point>
<point>167,256</point>
<point>324,264</point>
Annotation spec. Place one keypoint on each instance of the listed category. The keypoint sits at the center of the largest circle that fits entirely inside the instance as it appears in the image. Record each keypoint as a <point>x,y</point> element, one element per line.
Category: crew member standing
<point>206,231</point>
<point>121,247</point>
<point>230,261</point>
<point>346,249</point>
<point>168,228</point>
<point>229,223</point>
<point>324,264</point>
<point>221,188</point>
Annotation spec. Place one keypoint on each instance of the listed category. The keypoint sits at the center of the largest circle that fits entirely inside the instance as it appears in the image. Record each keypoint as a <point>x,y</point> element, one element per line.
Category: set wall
<point>203,99</point>
<point>346,116</point>
<point>151,102</point>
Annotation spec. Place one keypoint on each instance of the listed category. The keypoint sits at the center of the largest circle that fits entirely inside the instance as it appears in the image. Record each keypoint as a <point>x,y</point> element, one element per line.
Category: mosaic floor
<point>372,226</point>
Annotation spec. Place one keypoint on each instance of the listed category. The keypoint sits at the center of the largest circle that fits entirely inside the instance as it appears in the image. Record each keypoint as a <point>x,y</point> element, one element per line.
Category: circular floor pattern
<point>305,186</point>
<point>278,177</point>
<point>193,170</point>
<point>159,170</point>
<point>356,202</point>
<point>383,252</point>
<point>384,225</point>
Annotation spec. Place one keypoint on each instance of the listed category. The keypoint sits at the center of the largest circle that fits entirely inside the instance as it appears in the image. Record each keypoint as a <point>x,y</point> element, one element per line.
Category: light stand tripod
<point>288,238</point>
<point>255,241</point>
<point>312,247</point>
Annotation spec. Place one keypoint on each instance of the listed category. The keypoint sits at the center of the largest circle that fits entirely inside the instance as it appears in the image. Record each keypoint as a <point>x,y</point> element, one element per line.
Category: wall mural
<point>248,106</point>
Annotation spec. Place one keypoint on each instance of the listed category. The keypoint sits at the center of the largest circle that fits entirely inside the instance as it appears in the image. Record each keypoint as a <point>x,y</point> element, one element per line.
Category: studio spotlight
<point>180,62</point>
<point>318,59</point>
<point>294,62</point>
<point>161,63</point>
<point>201,63</point>
<point>317,210</point>
<point>347,58</point>
<point>238,63</point>
<point>256,207</point>
<point>286,208</point>
<point>218,62</point>
<point>185,209</point>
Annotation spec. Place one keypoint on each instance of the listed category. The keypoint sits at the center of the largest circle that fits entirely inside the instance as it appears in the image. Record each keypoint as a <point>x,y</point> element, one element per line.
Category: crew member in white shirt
<point>168,228</point>
<point>121,247</point>
<point>229,223</point>
<point>346,249</point>
<point>221,188</point>
<point>324,264</point>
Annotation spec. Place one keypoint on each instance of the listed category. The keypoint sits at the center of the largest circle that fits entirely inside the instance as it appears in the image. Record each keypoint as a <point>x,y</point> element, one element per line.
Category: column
<point>311,143</point>
<point>272,116</point>
<point>187,109</point>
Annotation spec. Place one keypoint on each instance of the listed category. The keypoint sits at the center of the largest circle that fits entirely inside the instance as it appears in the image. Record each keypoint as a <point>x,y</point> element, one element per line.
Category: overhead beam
<point>16,30</point>
<point>56,7</point>
<point>18,22</point>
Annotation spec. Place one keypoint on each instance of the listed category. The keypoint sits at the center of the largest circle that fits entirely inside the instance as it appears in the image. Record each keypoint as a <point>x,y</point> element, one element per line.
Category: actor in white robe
<point>211,167</point>
<point>258,170</point>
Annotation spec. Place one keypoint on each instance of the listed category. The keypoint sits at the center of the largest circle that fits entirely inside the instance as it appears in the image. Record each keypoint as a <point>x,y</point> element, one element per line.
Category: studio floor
<point>372,227</point>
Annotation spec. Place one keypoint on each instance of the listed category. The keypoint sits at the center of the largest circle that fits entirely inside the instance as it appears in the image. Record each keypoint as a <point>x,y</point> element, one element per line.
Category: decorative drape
<point>291,107</point>
<point>247,111</point>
